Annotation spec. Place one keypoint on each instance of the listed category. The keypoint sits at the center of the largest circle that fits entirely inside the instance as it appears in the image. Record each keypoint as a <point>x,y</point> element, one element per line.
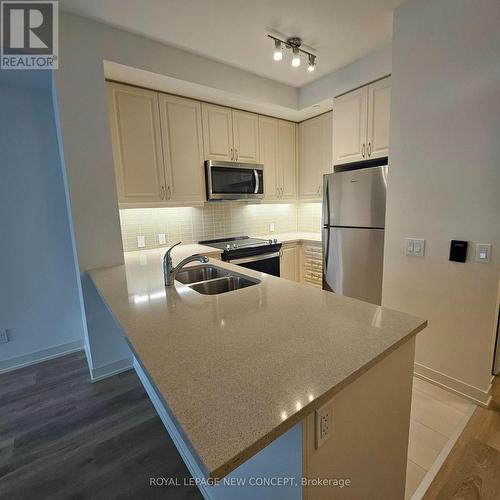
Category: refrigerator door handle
<point>326,202</point>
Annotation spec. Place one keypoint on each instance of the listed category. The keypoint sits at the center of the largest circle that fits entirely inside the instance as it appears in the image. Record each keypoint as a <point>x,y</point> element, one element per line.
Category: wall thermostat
<point>458,251</point>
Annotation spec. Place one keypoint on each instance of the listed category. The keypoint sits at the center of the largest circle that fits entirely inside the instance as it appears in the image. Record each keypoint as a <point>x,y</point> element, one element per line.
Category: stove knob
<point>270,241</point>
<point>275,241</point>
<point>235,245</point>
<point>228,246</point>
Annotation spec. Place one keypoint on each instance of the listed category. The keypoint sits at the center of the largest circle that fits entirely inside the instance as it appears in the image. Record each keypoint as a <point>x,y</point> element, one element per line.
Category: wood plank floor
<point>62,437</point>
<point>472,469</point>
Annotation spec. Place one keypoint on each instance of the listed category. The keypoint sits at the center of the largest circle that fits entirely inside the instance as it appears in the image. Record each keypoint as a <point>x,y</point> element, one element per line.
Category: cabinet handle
<point>168,193</point>
<point>236,153</point>
<point>231,153</point>
<point>277,191</point>
<point>363,151</point>
<point>281,189</point>
<point>162,192</point>
<point>369,149</point>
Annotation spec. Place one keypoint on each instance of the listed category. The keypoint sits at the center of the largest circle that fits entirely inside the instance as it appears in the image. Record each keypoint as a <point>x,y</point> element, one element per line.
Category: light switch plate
<point>162,239</point>
<point>141,241</point>
<point>324,424</point>
<point>414,247</point>
<point>483,252</point>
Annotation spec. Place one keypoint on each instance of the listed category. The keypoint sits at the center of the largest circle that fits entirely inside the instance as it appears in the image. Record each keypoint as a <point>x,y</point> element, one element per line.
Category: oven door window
<point>236,180</point>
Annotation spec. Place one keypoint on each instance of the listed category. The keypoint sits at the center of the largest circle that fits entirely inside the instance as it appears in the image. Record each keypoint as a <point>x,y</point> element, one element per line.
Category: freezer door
<point>355,198</point>
<point>353,262</point>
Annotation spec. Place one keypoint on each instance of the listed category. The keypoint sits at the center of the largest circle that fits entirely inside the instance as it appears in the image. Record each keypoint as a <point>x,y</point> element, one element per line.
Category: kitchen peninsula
<point>237,378</point>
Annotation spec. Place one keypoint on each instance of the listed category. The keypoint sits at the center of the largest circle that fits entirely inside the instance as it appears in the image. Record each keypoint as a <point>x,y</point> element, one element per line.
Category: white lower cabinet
<point>290,262</point>
<point>302,262</point>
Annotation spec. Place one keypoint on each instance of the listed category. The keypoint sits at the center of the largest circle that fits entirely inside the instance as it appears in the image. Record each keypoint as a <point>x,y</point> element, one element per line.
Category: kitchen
<point>285,193</point>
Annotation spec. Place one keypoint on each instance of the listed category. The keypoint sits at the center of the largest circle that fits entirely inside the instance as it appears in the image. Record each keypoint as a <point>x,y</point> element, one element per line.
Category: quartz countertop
<point>239,369</point>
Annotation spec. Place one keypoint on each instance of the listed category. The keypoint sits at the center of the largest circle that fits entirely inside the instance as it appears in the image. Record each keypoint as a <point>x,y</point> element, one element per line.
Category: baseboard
<point>476,395</point>
<point>12,364</point>
<point>443,455</point>
<point>111,369</point>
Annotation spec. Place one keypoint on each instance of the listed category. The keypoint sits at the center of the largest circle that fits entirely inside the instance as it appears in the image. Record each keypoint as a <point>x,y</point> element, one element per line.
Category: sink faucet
<point>170,272</point>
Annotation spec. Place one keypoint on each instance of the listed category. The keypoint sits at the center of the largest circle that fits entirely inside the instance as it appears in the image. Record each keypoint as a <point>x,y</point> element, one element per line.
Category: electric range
<point>253,253</point>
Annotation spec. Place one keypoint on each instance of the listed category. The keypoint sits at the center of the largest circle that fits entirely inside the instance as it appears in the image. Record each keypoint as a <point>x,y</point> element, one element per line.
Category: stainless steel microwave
<point>227,180</point>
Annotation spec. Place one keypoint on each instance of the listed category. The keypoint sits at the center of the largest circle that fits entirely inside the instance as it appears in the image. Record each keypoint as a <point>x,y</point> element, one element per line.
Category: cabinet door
<point>246,136</point>
<point>287,164</point>
<point>268,131</point>
<point>315,153</point>
<point>350,126</point>
<point>379,111</point>
<point>217,132</point>
<point>135,131</point>
<point>182,148</point>
<point>289,263</point>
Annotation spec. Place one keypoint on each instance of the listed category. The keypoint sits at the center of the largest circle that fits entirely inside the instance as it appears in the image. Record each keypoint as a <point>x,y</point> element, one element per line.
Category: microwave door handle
<point>256,175</point>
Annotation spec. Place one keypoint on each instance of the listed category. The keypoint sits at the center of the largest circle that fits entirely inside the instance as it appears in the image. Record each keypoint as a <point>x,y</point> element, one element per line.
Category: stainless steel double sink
<point>212,280</point>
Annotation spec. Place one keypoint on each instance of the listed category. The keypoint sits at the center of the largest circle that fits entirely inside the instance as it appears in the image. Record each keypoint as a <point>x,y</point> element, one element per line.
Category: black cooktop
<point>237,243</point>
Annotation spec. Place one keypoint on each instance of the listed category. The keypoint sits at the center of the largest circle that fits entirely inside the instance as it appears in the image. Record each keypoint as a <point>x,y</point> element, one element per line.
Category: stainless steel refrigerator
<point>353,232</point>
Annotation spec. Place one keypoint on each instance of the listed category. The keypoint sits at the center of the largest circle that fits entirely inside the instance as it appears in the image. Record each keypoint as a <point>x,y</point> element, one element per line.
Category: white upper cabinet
<point>361,123</point>
<point>135,131</point>
<point>379,112</point>
<point>182,148</point>
<point>246,136</point>
<point>315,160</point>
<point>278,154</point>
<point>268,128</point>
<point>349,128</point>
<point>229,134</point>
<point>217,132</point>
<point>287,162</point>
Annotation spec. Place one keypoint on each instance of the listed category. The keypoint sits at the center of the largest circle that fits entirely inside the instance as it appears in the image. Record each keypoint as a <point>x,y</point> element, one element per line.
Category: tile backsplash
<point>192,224</point>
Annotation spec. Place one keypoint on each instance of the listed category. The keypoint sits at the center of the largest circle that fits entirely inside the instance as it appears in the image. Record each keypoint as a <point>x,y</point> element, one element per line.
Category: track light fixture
<point>294,44</point>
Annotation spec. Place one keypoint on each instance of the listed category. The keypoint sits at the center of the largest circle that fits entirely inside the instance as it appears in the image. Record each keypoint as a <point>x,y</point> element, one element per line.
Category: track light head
<point>278,51</point>
<point>296,57</point>
<point>312,63</point>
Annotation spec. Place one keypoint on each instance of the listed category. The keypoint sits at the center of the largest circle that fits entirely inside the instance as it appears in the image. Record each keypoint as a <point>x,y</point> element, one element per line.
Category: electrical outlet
<point>272,227</point>
<point>141,241</point>
<point>324,424</point>
<point>4,337</point>
<point>162,239</point>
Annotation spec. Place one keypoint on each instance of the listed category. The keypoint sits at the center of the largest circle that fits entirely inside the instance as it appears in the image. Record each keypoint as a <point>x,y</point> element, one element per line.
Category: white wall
<point>40,296</point>
<point>444,182</point>
<point>84,45</point>
<point>365,70</point>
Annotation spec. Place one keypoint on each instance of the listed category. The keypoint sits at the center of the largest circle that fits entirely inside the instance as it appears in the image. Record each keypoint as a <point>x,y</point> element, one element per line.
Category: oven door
<point>227,180</point>
<point>268,263</point>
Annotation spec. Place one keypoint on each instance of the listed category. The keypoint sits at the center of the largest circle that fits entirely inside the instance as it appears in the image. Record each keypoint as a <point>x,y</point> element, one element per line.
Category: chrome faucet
<point>170,272</point>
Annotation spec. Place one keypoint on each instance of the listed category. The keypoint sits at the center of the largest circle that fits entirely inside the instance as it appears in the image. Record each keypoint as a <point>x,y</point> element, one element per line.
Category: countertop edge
<point>300,415</point>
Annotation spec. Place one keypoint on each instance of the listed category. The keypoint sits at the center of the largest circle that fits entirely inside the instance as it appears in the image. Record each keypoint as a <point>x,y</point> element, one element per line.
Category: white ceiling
<point>234,31</point>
